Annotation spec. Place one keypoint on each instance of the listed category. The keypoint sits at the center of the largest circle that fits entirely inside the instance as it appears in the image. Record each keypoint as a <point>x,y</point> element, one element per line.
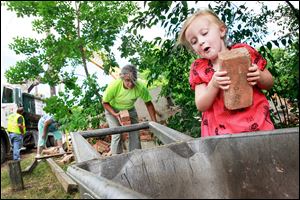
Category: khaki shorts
<point>42,142</point>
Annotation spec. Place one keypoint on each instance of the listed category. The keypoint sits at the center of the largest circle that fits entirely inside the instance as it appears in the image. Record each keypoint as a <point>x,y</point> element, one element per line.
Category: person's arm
<point>206,94</point>
<point>263,79</point>
<point>46,125</point>
<point>20,125</point>
<point>151,110</point>
<point>108,107</point>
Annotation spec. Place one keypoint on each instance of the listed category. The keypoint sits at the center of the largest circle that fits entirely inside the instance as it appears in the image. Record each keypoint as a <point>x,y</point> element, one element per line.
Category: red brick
<point>145,135</point>
<point>107,138</point>
<point>124,123</point>
<point>240,93</point>
<point>146,138</point>
<point>101,146</point>
<point>124,115</point>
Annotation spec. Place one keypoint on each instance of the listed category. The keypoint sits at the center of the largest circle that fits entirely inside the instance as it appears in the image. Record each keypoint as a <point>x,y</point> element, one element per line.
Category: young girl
<point>205,34</point>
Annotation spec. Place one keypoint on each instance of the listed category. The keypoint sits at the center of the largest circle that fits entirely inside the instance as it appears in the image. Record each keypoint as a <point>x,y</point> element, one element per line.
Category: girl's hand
<point>254,75</point>
<point>220,80</point>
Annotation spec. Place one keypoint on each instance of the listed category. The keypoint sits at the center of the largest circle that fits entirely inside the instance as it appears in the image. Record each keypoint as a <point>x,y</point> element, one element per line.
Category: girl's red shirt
<point>218,120</point>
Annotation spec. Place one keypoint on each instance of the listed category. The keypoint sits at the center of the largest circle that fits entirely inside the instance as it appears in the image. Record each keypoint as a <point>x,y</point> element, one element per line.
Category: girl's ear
<point>223,31</point>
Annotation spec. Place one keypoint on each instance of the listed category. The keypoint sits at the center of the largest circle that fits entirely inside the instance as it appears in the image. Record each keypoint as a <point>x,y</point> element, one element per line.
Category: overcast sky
<point>11,27</point>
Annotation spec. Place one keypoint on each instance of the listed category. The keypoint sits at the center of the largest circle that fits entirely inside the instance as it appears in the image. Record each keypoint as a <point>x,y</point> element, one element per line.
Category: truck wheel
<point>3,150</point>
<point>28,141</point>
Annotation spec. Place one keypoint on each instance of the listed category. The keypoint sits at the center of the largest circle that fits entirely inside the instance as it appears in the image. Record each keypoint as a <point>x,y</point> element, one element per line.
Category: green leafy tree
<point>164,59</point>
<point>81,28</point>
<point>72,31</point>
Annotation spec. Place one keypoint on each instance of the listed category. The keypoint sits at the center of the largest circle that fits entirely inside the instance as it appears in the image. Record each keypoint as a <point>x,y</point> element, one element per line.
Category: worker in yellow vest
<point>16,129</point>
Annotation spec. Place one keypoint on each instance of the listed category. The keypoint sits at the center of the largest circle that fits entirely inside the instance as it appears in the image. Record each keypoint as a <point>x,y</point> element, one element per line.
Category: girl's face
<point>127,82</point>
<point>206,37</point>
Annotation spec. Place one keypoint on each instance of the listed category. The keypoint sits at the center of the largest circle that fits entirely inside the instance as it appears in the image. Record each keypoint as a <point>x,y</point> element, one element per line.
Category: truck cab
<point>11,98</point>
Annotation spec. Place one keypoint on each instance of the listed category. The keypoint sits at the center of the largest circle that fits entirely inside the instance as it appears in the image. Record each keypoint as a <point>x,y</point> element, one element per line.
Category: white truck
<point>11,97</point>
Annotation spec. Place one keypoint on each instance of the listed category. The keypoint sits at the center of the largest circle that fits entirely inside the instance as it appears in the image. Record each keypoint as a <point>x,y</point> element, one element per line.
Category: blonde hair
<point>201,12</point>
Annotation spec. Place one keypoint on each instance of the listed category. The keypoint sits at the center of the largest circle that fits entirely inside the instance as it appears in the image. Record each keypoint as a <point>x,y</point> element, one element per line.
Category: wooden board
<point>15,175</point>
<point>53,155</point>
<point>30,168</point>
<point>68,184</point>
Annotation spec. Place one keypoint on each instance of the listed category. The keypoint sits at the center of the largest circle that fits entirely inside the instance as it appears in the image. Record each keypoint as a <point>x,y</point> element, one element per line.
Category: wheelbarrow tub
<point>249,165</point>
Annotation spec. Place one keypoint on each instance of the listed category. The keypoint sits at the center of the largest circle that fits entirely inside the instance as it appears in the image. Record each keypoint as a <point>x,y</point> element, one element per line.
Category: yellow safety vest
<point>12,123</point>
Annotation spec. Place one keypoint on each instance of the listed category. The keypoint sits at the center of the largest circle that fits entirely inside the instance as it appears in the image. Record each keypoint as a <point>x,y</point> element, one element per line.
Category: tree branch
<point>295,11</point>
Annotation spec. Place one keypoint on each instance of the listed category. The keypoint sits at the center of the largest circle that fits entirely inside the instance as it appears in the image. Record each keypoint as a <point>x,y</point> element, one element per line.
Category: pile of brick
<point>103,145</point>
<point>50,151</point>
<point>68,158</point>
<point>146,135</point>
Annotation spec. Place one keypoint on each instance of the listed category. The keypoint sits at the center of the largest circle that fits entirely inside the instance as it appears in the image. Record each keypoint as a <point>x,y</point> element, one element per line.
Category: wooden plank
<point>68,184</point>
<point>15,175</point>
<point>30,168</point>
<point>240,93</point>
<point>53,155</point>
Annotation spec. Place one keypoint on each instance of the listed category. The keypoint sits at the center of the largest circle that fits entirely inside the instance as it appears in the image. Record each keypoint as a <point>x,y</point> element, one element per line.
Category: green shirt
<point>123,99</point>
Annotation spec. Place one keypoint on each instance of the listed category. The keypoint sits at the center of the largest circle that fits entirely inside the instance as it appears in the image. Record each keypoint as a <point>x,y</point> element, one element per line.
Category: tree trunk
<point>81,47</point>
<point>52,91</point>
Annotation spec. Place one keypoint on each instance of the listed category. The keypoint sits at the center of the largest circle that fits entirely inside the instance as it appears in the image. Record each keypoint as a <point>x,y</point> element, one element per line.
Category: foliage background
<point>166,60</point>
<point>76,30</point>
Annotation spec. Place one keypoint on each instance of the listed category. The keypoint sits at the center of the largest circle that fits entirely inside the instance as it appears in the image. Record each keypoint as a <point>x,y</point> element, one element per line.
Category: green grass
<point>40,184</point>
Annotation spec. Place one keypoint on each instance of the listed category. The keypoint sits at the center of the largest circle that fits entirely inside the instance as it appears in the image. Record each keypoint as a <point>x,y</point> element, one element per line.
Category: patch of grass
<point>40,184</point>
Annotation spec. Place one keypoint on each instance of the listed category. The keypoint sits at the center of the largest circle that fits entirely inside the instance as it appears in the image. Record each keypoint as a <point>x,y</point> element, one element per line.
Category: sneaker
<point>38,156</point>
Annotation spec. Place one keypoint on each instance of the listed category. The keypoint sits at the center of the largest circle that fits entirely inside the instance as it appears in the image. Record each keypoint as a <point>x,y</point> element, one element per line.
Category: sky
<point>11,27</point>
